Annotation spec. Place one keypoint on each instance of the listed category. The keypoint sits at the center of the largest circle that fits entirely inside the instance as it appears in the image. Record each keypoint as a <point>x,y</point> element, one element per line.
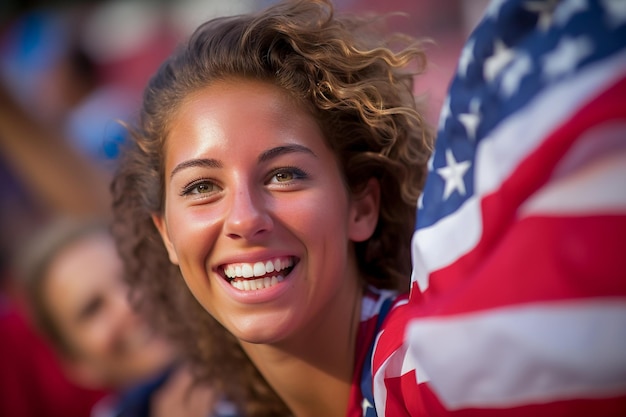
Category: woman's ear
<point>364,212</point>
<point>161,226</point>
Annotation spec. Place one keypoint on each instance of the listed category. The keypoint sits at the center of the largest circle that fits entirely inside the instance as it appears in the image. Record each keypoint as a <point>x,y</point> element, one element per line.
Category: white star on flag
<point>471,120</point>
<point>521,66</point>
<point>365,405</point>
<point>500,58</point>
<point>453,174</point>
<point>567,54</point>
<point>545,9</point>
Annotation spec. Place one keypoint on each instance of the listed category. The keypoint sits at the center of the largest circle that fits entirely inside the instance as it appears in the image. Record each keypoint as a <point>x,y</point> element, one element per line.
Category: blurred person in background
<point>32,383</point>
<point>71,276</point>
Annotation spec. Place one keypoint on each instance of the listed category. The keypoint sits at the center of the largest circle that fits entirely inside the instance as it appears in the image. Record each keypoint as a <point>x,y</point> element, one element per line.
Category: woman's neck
<point>313,371</point>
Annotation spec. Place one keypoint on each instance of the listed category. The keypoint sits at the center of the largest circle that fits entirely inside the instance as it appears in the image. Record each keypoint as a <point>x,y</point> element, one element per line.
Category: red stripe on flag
<point>539,259</point>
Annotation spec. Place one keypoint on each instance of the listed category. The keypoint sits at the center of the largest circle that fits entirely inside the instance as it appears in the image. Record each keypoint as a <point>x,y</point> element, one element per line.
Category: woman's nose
<point>248,216</point>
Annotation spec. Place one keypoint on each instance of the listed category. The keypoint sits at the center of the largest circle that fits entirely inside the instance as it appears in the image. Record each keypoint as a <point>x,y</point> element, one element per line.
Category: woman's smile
<point>269,281</point>
<point>258,275</point>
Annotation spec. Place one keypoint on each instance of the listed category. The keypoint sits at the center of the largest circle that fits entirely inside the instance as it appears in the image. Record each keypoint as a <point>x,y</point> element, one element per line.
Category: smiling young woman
<point>276,168</point>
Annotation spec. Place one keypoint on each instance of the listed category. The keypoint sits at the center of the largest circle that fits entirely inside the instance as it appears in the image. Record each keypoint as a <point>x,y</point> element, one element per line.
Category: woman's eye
<point>200,187</point>
<point>283,175</point>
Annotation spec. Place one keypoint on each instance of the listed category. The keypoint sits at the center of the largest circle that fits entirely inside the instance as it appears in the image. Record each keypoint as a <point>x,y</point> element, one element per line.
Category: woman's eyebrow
<point>200,162</point>
<point>265,156</point>
<point>282,150</point>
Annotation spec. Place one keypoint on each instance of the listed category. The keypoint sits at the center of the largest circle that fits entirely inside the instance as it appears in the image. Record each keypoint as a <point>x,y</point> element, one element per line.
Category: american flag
<point>518,302</point>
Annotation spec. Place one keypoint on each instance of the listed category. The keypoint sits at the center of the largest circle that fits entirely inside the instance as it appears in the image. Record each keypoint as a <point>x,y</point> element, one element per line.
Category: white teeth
<point>256,284</point>
<point>257,269</point>
<point>247,271</point>
<point>229,271</point>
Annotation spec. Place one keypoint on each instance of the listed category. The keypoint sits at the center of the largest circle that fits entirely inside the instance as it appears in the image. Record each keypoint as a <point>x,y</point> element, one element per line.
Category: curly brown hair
<point>356,84</point>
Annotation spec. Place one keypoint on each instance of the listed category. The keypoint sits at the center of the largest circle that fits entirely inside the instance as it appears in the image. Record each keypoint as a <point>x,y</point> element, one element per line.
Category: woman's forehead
<point>249,111</point>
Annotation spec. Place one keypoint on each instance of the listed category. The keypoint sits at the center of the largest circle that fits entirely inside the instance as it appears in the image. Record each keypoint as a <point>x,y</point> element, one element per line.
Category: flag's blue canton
<point>520,47</point>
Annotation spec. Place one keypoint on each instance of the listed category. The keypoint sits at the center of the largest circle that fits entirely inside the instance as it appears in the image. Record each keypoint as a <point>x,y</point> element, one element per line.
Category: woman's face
<point>257,215</point>
<point>88,300</point>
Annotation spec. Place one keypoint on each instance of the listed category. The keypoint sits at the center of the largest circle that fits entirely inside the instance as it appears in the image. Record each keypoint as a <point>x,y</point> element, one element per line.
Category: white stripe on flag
<point>599,189</point>
<point>588,186</point>
<point>440,244</point>
<point>522,355</point>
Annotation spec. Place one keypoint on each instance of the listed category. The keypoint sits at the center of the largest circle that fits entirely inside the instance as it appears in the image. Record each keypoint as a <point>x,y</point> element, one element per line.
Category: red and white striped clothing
<point>375,308</point>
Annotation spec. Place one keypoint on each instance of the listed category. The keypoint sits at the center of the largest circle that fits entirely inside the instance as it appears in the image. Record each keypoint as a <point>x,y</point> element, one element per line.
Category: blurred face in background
<point>88,300</point>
